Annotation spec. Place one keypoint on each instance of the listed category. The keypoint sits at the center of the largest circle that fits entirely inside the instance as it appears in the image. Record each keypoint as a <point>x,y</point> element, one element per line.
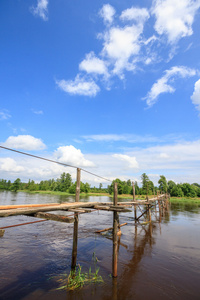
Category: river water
<point>160,260</point>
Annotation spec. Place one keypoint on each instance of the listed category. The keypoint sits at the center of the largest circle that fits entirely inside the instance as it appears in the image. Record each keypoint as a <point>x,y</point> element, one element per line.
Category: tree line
<point>65,184</point>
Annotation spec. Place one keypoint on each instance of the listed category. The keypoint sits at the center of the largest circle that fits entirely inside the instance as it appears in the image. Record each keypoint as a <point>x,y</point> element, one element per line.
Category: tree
<point>145,181</point>
<point>162,184</point>
<point>171,185</point>
<point>16,185</point>
<point>177,191</point>
<point>137,189</point>
<point>188,190</point>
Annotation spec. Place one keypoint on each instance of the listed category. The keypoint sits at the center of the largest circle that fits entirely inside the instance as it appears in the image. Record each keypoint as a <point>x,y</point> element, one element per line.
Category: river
<point>160,260</point>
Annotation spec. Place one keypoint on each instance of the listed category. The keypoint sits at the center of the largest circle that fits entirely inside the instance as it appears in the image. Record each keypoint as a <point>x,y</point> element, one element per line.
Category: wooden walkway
<point>44,212</point>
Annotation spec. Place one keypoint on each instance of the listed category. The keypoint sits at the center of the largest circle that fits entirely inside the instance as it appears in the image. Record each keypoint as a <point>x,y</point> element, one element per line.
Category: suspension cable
<point>53,161</point>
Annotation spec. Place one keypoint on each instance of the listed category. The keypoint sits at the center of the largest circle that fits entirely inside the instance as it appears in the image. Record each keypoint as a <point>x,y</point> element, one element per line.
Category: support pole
<point>135,208</point>
<point>149,212</point>
<point>133,191</point>
<point>78,183</point>
<point>115,227</point>
<point>75,233</point>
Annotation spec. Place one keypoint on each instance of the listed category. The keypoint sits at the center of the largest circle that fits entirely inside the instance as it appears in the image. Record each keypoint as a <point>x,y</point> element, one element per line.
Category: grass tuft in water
<point>77,279</point>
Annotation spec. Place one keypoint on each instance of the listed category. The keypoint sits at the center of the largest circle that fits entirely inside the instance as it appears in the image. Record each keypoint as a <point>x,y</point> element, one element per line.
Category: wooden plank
<point>53,217</point>
<point>32,211</point>
<point>3,207</point>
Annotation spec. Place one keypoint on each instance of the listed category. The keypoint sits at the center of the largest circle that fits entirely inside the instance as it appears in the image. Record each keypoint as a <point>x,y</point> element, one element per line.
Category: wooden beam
<point>108,208</point>
<point>53,217</point>
<point>110,228</point>
<point>79,210</point>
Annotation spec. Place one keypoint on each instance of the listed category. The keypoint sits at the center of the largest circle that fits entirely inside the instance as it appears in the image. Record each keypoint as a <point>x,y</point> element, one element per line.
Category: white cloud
<point>72,156</point>
<point>120,45</point>
<point>131,161</point>
<point>9,165</point>
<point>41,9</point>
<point>196,95</point>
<point>92,64</point>
<point>25,142</point>
<point>130,138</point>
<point>180,161</point>
<point>38,112</point>
<point>107,13</point>
<point>137,14</point>
<point>4,115</point>
<point>163,85</point>
<point>79,86</point>
<point>174,18</point>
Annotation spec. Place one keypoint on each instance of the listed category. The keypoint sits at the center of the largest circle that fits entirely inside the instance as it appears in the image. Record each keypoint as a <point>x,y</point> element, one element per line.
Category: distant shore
<point>123,196</point>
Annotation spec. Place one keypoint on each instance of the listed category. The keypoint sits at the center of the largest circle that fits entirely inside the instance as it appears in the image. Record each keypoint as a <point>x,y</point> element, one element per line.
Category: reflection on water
<point>155,261</point>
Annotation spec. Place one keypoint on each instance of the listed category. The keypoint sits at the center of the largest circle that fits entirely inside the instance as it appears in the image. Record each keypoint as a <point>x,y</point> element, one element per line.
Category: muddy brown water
<point>157,261</point>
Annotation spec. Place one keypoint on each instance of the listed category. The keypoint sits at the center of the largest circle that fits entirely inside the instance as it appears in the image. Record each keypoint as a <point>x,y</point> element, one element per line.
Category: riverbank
<point>186,200</point>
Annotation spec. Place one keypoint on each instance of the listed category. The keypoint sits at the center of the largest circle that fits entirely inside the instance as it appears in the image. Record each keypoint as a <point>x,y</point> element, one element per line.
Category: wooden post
<point>149,212</point>
<point>78,183</point>
<point>133,191</point>
<point>135,212</point>
<point>75,233</point>
<point>2,232</point>
<point>147,191</point>
<point>135,208</point>
<point>115,226</point>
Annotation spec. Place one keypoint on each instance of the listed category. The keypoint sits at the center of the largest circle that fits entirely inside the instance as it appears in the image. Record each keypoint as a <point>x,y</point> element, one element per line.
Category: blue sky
<point>112,87</point>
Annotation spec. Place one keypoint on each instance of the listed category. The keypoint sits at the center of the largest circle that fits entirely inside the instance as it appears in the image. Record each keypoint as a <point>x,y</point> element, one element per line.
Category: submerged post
<point>115,227</point>
<point>75,233</point>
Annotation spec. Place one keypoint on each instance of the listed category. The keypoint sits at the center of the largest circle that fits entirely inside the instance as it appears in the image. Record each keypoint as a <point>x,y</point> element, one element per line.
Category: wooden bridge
<point>41,211</point>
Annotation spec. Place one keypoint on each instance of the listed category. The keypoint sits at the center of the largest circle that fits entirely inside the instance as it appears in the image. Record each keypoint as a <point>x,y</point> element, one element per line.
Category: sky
<point>112,87</point>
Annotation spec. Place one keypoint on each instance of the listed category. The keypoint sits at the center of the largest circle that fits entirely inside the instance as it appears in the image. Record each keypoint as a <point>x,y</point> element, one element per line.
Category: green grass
<point>77,279</point>
<point>185,200</point>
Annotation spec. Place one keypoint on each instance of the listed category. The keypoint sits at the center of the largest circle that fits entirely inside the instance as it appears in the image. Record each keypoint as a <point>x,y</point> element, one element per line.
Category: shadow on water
<point>26,283</point>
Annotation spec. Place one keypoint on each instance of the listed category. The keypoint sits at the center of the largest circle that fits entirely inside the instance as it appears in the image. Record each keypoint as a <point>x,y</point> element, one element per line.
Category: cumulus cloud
<point>130,161</point>
<point>163,85</point>
<point>107,13</point>
<point>122,44</point>
<point>174,18</point>
<point>137,14</point>
<point>4,115</point>
<point>72,156</point>
<point>9,165</point>
<point>79,86</point>
<point>25,142</point>
<point>41,9</point>
<point>92,64</point>
<point>196,95</point>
